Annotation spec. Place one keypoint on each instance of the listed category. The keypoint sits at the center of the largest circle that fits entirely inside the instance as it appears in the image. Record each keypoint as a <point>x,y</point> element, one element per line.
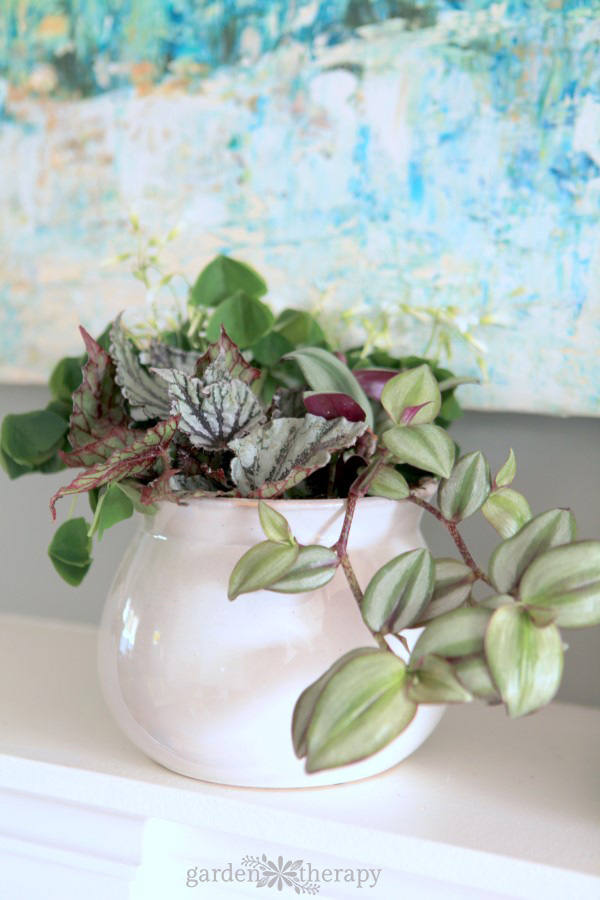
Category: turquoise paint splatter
<point>438,152</point>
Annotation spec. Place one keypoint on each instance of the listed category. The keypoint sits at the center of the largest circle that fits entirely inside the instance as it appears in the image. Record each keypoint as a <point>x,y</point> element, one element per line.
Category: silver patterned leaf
<point>224,359</point>
<point>163,356</point>
<point>148,396</point>
<point>212,414</point>
<point>274,458</point>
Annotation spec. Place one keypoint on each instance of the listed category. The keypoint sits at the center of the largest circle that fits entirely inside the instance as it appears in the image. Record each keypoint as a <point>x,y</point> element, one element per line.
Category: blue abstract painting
<point>392,163</point>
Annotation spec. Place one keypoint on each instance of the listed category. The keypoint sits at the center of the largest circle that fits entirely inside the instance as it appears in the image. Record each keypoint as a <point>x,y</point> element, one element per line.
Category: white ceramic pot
<point>207,687</point>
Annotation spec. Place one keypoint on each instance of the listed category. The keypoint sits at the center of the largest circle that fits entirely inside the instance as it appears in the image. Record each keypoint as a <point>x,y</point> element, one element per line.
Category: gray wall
<point>558,462</point>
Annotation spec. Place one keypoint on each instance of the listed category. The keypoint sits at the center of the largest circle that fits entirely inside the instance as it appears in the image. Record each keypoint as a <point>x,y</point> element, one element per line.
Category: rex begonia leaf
<point>164,356</point>
<point>118,438</point>
<point>178,488</point>
<point>274,458</point>
<point>212,414</point>
<point>97,403</point>
<point>222,359</point>
<point>131,461</point>
<point>147,395</point>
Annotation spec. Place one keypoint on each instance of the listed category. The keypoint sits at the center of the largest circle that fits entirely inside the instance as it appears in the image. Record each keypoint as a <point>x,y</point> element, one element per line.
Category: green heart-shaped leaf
<point>298,327</point>
<point>221,278</point>
<point>525,661</point>
<point>270,348</point>
<point>34,437</point>
<point>70,549</point>
<point>66,377</point>
<point>113,506</point>
<point>244,318</point>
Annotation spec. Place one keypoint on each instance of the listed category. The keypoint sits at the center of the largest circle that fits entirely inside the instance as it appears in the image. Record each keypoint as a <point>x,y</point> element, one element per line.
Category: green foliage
<point>113,506</point>
<point>389,483</point>
<point>433,680</point>
<point>70,550</point>
<point>452,588</point>
<point>454,634</point>
<point>467,488</point>
<point>30,439</point>
<point>245,319</point>
<point>66,378</point>
<point>507,511</point>
<point>315,566</point>
<point>325,373</point>
<point>261,566</point>
<point>274,525</point>
<point>416,390</point>
<point>399,592</point>
<point>506,475</point>
<point>428,447</point>
<point>510,559</point>
<point>565,582</point>
<point>235,402</point>
<point>299,328</point>
<point>223,277</point>
<point>526,662</point>
<point>361,708</point>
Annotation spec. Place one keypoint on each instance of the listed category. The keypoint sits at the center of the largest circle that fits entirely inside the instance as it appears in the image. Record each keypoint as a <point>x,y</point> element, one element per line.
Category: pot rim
<point>424,490</point>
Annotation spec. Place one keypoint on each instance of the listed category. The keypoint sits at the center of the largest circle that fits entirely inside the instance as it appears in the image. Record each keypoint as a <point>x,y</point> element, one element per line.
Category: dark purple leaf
<point>373,381</point>
<point>334,406</point>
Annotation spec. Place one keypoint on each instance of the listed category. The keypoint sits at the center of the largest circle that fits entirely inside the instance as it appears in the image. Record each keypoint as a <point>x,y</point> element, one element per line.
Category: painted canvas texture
<point>388,162</point>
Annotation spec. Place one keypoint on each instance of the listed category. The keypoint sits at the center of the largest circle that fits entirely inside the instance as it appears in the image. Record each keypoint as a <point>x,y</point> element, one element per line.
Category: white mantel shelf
<point>487,808</point>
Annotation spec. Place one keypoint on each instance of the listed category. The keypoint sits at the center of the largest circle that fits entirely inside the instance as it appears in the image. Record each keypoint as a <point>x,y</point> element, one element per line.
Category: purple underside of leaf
<point>410,412</point>
<point>97,406</point>
<point>334,406</point>
<point>100,450</point>
<point>231,358</point>
<point>128,462</point>
<point>373,381</point>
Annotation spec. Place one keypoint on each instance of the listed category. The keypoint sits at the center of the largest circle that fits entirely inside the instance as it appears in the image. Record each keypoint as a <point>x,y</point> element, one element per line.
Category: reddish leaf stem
<point>455,535</point>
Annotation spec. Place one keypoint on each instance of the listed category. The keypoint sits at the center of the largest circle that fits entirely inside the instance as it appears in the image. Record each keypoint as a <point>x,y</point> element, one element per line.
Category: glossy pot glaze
<point>207,687</point>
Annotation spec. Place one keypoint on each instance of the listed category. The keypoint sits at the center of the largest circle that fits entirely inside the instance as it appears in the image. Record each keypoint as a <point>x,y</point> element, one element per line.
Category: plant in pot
<point>276,473</point>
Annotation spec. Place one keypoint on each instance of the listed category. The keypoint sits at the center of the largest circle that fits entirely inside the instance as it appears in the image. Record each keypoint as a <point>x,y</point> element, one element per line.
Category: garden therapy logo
<point>299,875</point>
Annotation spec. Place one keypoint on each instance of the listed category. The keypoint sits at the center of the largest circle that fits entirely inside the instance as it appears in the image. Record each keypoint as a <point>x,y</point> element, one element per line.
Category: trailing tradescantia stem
<point>359,488</point>
<point>452,529</point>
